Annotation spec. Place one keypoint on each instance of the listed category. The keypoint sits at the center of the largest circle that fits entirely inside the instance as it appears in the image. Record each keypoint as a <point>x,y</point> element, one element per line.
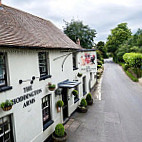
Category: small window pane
<point>7,136</point>
<point>5,130</point>
<point>6,127</point>
<point>46,109</point>
<point>43,63</point>
<point>1,130</point>
<point>1,139</point>
<point>3,78</point>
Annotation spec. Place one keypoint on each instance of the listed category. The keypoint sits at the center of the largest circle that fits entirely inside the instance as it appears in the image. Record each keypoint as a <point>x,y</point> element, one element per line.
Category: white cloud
<point>101,15</point>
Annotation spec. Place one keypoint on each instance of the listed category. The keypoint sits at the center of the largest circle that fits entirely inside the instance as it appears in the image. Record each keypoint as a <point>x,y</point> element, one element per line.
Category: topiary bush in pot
<point>59,135</point>
<point>83,106</point>
<point>59,130</point>
<point>83,103</point>
<point>89,99</point>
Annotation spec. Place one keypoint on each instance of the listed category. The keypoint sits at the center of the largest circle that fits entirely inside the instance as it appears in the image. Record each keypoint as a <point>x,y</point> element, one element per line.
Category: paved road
<point>115,118</point>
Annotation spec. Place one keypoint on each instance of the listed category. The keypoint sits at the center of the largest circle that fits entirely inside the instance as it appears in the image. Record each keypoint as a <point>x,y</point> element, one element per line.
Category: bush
<point>60,130</point>
<point>100,62</point>
<point>83,103</point>
<point>99,66</point>
<point>75,92</point>
<point>60,103</point>
<point>89,97</point>
<point>126,66</point>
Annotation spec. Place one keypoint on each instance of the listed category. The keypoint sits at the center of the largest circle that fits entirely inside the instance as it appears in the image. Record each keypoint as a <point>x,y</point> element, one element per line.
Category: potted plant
<point>7,105</point>
<point>83,106</point>
<point>60,104</point>
<point>59,135</point>
<point>79,74</point>
<point>75,92</point>
<point>51,87</point>
<point>89,99</point>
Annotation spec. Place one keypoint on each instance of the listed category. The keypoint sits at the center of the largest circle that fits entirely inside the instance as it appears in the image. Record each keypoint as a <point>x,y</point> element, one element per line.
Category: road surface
<point>117,117</point>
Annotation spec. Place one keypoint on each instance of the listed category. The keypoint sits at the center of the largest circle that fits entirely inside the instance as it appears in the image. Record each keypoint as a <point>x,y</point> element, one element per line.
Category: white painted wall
<point>23,64</point>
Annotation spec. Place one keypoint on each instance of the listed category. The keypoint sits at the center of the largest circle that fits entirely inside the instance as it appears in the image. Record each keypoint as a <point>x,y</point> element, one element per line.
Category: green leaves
<point>118,35</point>
<point>76,29</point>
<point>133,59</point>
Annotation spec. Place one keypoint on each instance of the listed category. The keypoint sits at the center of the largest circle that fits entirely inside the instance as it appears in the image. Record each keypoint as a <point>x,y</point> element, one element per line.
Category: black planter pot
<point>90,102</point>
<point>59,139</point>
<point>82,109</point>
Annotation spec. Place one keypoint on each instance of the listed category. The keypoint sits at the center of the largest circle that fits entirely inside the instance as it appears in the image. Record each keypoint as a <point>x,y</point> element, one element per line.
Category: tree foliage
<point>102,49</point>
<point>117,37</point>
<point>76,29</point>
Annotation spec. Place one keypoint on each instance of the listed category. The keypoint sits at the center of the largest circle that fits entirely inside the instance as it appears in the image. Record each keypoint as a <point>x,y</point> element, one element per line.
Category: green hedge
<point>133,59</point>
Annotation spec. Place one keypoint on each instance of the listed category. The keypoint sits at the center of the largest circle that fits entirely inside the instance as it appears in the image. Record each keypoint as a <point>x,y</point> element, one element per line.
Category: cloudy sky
<point>101,15</point>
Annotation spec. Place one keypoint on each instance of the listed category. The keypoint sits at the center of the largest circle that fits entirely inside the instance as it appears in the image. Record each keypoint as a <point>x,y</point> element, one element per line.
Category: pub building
<point>34,53</point>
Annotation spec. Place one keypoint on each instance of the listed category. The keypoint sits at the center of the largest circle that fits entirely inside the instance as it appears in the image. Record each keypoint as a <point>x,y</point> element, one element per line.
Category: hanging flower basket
<point>7,108</point>
<point>75,92</point>
<point>59,104</point>
<point>51,87</point>
<point>79,74</point>
<point>7,105</point>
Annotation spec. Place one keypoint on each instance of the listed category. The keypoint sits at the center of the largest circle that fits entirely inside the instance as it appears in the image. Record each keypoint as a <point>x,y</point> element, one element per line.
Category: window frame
<point>9,131</point>
<point>84,85</point>
<point>44,64</point>
<point>74,60</point>
<point>4,66</point>
<point>46,109</point>
<point>76,98</point>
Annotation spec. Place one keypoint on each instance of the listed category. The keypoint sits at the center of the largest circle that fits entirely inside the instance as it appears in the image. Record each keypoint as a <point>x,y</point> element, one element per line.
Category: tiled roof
<point>21,29</point>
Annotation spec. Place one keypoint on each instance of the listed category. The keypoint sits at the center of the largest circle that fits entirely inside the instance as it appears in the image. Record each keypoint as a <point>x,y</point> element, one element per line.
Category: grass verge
<point>133,78</point>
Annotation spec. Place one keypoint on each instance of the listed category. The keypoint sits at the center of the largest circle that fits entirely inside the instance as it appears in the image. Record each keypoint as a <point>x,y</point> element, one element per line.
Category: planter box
<point>90,102</point>
<point>82,109</point>
<point>59,139</point>
<point>51,88</point>
<point>7,108</point>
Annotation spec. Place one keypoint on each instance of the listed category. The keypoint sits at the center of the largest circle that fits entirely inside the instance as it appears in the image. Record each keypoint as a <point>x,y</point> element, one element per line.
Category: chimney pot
<point>78,41</point>
<point>1,8</point>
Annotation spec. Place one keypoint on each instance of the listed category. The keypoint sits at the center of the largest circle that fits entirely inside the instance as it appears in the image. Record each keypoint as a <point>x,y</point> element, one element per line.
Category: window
<point>91,74</point>
<point>84,85</point>
<point>76,98</point>
<point>5,129</point>
<point>3,74</point>
<point>46,112</point>
<point>43,64</point>
<point>74,61</point>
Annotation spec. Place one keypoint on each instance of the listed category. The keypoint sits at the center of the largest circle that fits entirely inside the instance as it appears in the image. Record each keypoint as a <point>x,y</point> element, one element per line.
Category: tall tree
<point>101,47</point>
<point>117,37</point>
<point>76,29</point>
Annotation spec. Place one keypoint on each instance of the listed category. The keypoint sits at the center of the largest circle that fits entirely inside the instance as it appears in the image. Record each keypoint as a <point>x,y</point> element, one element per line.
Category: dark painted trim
<point>47,124</point>
<point>5,88</point>
<point>45,77</point>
